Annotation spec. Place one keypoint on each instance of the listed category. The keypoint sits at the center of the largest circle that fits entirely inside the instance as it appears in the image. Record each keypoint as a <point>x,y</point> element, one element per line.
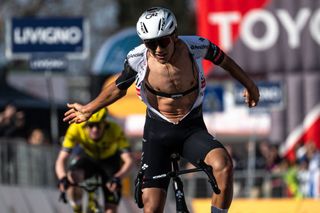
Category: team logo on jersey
<point>144,166</point>
<point>199,47</point>
<point>134,55</point>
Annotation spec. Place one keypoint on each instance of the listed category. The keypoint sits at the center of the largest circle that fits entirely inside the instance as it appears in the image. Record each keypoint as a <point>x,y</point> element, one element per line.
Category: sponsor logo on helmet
<point>150,15</point>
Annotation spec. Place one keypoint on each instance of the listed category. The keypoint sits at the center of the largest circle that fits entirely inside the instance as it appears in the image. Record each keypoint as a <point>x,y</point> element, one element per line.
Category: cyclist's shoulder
<point>136,57</point>
<point>114,129</point>
<point>73,135</point>
<point>112,126</point>
<point>137,51</point>
<point>197,45</point>
<point>114,132</point>
<point>75,128</point>
<point>194,39</point>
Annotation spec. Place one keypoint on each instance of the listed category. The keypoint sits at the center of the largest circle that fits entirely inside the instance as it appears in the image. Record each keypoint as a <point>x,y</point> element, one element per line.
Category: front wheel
<point>93,204</point>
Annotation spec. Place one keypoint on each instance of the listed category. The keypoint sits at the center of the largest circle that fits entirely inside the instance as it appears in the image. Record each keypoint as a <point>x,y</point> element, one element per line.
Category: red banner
<point>219,20</point>
<point>307,132</point>
<point>259,33</point>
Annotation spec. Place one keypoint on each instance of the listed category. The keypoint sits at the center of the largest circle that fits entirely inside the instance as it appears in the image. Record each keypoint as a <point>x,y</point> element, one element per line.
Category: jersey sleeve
<point>132,64</point>
<point>203,48</point>
<point>127,77</point>
<point>71,137</point>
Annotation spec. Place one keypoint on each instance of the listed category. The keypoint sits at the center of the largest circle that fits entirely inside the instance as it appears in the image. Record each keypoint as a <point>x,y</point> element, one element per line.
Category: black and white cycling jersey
<point>135,68</point>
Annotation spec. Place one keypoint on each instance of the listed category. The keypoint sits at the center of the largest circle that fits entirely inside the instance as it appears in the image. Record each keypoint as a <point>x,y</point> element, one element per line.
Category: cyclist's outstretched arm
<point>109,94</point>
<point>251,92</point>
<point>218,57</point>
<point>78,113</point>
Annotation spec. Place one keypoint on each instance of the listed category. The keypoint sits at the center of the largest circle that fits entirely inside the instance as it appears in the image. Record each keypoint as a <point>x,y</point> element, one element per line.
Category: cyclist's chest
<point>171,77</point>
<point>105,146</point>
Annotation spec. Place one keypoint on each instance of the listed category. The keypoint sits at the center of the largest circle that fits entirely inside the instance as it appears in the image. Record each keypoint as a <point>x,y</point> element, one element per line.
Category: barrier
<point>23,199</point>
<point>283,205</point>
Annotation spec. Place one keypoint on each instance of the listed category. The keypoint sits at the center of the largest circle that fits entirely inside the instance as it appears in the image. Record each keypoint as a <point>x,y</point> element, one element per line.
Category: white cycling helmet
<point>156,22</point>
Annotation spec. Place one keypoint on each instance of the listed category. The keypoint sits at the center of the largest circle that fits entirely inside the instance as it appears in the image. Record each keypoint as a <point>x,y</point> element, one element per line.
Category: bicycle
<point>90,186</point>
<point>181,206</point>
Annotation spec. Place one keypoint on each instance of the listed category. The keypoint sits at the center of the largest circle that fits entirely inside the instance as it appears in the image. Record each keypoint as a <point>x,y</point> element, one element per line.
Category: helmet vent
<point>145,28</point>
<point>159,26</point>
<point>152,9</point>
<point>156,22</point>
<point>171,25</point>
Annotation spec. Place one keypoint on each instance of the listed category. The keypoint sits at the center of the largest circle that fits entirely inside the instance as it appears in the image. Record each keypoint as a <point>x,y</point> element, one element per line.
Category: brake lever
<point>63,198</point>
<point>138,189</point>
<point>212,180</point>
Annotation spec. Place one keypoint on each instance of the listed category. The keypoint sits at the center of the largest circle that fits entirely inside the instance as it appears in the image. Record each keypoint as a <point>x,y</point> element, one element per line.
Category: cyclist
<point>102,150</point>
<point>167,71</point>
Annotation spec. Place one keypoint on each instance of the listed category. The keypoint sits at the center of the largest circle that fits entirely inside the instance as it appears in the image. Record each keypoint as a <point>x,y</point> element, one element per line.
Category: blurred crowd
<point>13,125</point>
<point>277,176</point>
<point>274,176</point>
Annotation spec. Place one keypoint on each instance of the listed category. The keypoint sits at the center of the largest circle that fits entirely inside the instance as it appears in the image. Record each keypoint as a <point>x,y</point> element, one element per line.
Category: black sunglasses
<point>154,43</point>
<point>93,124</point>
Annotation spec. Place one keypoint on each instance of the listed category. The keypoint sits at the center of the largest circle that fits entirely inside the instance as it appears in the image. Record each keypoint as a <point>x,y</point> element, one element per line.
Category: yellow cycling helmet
<point>98,116</point>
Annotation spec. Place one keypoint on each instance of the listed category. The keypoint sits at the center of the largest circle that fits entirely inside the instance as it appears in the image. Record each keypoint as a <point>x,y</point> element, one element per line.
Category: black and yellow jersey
<point>112,141</point>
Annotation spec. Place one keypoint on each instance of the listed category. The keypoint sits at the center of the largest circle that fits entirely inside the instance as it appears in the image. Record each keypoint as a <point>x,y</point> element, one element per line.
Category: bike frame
<point>181,206</point>
<point>90,186</point>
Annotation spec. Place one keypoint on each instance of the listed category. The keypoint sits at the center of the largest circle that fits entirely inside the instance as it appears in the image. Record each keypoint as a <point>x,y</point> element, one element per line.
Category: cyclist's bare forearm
<point>236,72</point>
<point>108,95</point>
<point>60,164</point>
<point>251,93</point>
<point>79,113</point>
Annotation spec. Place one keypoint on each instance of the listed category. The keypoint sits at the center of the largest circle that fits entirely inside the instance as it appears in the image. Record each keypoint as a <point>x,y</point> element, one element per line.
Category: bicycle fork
<point>181,206</point>
<point>93,203</point>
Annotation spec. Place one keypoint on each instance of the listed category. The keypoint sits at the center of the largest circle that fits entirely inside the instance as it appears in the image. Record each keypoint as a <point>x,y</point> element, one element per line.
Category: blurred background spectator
<point>37,136</point>
<point>303,176</point>
<point>313,155</point>
<point>12,122</point>
<point>26,108</point>
<point>290,178</point>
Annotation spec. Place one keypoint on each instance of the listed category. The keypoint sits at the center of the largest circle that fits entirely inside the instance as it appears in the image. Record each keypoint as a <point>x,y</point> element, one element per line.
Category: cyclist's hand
<point>76,114</point>
<point>63,184</point>
<point>251,96</point>
<point>114,184</point>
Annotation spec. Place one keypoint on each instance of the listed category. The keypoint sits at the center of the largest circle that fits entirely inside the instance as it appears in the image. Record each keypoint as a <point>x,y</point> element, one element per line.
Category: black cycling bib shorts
<point>189,138</point>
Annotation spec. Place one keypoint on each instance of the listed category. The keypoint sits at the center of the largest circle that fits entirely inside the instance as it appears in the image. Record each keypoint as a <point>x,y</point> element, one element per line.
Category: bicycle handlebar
<point>88,185</point>
<point>63,197</point>
<point>138,189</point>
<point>202,166</point>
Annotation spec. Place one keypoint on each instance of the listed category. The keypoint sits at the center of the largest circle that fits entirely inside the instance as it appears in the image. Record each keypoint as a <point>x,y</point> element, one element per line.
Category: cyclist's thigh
<point>198,145</point>
<point>89,166</point>
<point>155,158</point>
<point>110,165</point>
